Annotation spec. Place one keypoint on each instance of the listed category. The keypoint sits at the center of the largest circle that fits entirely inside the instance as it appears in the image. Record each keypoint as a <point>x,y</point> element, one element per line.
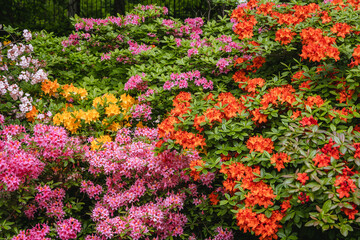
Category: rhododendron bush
<point>143,127</point>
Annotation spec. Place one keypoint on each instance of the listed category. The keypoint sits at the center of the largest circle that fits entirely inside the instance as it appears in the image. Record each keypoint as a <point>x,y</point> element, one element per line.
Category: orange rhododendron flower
<point>265,9</point>
<point>260,144</point>
<point>189,140</point>
<point>32,114</point>
<point>259,117</point>
<point>284,36</point>
<point>194,172</point>
<point>252,84</point>
<point>350,212</point>
<point>322,160</point>
<point>213,197</point>
<point>260,194</point>
<point>346,184</point>
<point>283,94</point>
<point>49,87</point>
<point>167,126</point>
<point>317,100</point>
<point>341,29</point>
<point>279,159</point>
<point>302,177</point>
<point>264,227</point>
<point>232,105</point>
<point>285,205</point>
<point>295,114</point>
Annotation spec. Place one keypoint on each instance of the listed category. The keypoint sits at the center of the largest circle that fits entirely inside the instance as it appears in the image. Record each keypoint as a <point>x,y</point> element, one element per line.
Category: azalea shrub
<point>141,51</point>
<point>145,127</point>
<point>283,142</point>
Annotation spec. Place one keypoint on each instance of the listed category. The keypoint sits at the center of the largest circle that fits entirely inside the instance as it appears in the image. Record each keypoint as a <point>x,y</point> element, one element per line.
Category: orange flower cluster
<point>260,144</point>
<point>279,159</point>
<point>264,227</point>
<point>265,8</point>
<point>188,140</point>
<point>258,117</point>
<point>322,160</point>
<point>49,87</point>
<point>300,14</point>
<point>194,173</point>
<point>167,127</point>
<point>317,100</point>
<point>316,46</point>
<point>213,197</point>
<point>284,36</point>
<point>32,114</point>
<point>211,114</point>
<point>259,192</point>
<point>181,104</point>
<point>356,56</point>
<point>245,25</point>
<point>341,29</point>
<point>283,94</point>
<point>302,177</point>
<point>346,184</point>
<point>253,83</point>
<point>350,212</point>
<point>232,105</point>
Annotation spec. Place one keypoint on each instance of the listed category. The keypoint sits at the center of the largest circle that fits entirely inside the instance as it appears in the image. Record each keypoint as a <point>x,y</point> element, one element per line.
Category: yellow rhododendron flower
<point>127,101</point>
<point>71,90</point>
<point>99,142</point>
<point>107,97</point>
<point>112,110</point>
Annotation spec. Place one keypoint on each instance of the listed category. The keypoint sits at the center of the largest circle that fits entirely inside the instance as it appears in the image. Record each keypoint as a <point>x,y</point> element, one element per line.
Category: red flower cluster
<point>308,121</point>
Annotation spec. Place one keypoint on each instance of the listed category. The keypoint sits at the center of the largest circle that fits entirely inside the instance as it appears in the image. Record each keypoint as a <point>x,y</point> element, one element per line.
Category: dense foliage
<point>141,127</point>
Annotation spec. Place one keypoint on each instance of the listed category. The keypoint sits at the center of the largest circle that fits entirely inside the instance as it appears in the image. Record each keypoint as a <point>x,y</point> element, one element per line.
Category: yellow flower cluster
<point>108,103</point>
<point>97,143</point>
<point>70,91</point>
<point>72,120</point>
<point>106,98</point>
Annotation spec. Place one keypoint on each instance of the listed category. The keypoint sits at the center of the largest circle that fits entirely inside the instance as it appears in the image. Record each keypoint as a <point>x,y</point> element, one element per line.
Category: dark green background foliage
<point>54,15</point>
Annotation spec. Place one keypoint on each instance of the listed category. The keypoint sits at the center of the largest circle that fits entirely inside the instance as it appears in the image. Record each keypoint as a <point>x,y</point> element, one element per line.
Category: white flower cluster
<point>20,55</point>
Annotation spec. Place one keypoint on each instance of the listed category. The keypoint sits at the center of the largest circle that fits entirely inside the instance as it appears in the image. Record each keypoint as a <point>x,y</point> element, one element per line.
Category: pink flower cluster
<point>181,80</point>
<point>141,111</point>
<point>222,234</point>
<point>223,64</point>
<point>36,233</point>
<point>230,45</point>
<point>68,229</point>
<point>92,190</point>
<point>148,93</point>
<point>16,165</point>
<point>133,171</point>
<point>54,144</point>
<point>50,200</point>
<point>136,49</point>
<point>136,82</point>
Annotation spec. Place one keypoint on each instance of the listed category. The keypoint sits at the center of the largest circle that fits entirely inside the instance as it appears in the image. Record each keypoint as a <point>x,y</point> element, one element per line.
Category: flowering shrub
<point>254,128</point>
